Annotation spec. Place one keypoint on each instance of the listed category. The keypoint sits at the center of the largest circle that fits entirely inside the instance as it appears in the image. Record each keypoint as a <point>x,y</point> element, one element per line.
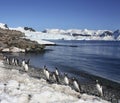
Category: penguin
<point>76,85</point>
<point>16,62</point>
<point>99,88</point>
<point>47,74</point>
<point>23,62</point>
<point>66,79</point>
<point>26,67</point>
<point>54,76</point>
<point>8,60</point>
<point>13,61</point>
<point>56,72</point>
<point>44,71</point>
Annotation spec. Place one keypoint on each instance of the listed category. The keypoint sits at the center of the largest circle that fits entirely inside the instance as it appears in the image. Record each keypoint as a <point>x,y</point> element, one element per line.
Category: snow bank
<point>20,88</point>
<point>13,50</point>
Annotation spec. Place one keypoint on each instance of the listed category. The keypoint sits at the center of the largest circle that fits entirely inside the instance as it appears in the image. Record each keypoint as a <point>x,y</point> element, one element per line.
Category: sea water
<point>100,58</point>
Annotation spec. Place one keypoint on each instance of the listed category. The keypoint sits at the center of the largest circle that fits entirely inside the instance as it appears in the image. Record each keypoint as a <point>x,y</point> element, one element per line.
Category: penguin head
<point>56,68</point>
<point>46,69</point>
<point>44,66</point>
<point>96,81</point>
<point>73,78</point>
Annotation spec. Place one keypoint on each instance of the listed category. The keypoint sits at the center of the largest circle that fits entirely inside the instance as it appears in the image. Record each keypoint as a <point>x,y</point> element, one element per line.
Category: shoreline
<point>110,90</point>
<point>30,87</point>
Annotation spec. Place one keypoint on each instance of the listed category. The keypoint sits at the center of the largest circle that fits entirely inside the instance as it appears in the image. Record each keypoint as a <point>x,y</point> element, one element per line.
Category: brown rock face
<point>14,38</point>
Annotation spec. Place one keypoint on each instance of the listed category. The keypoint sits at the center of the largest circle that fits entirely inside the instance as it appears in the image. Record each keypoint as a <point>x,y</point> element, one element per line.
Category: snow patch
<point>20,88</point>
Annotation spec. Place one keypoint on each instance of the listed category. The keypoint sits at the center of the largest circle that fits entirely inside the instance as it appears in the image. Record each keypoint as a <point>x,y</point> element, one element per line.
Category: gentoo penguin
<point>26,67</point>
<point>8,60</point>
<point>13,61</point>
<point>66,80</point>
<point>44,71</point>
<point>99,88</point>
<point>16,62</point>
<point>56,72</point>
<point>76,85</point>
<point>55,77</point>
<point>23,62</point>
<point>47,74</point>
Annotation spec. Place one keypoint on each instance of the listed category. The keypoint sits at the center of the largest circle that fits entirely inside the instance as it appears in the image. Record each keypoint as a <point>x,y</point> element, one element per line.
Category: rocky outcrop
<point>29,28</point>
<point>10,39</point>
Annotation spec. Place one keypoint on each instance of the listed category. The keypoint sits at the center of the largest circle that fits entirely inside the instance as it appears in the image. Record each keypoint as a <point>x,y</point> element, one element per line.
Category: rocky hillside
<point>14,38</point>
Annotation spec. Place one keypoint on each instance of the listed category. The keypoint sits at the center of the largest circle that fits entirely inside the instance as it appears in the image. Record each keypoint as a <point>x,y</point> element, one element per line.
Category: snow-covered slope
<point>21,88</point>
<point>70,34</point>
<point>3,26</point>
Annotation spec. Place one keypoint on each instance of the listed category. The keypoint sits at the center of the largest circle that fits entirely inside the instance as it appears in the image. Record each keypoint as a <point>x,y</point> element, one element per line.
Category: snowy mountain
<point>3,26</point>
<point>75,34</point>
<point>70,34</point>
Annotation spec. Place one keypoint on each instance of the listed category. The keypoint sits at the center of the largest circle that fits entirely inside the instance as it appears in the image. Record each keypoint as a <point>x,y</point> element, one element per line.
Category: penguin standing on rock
<point>23,62</point>
<point>47,74</point>
<point>16,62</point>
<point>66,80</point>
<point>99,88</point>
<point>26,67</point>
<point>56,72</point>
<point>55,77</point>
<point>44,69</point>
<point>13,61</point>
<point>8,60</point>
<point>76,85</point>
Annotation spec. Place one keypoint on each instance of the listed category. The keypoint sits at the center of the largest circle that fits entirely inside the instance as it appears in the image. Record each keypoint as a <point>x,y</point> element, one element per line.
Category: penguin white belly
<point>56,71</point>
<point>23,63</point>
<point>44,71</point>
<point>99,88</point>
<point>26,67</point>
<point>47,75</point>
<point>66,80</point>
<point>54,77</point>
<point>76,86</point>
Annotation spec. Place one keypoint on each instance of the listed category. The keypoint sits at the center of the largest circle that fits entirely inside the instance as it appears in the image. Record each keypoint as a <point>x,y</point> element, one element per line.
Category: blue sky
<point>62,14</point>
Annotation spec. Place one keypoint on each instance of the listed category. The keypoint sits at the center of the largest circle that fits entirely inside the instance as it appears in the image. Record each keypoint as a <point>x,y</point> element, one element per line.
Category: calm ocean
<point>99,58</point>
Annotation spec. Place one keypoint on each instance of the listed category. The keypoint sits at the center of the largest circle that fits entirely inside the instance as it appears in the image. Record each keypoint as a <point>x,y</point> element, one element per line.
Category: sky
<point>61,14</point>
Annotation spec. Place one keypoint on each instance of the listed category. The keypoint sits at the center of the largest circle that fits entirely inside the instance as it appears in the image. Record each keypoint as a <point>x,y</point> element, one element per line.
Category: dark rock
<point>106,33</point>
<point>30,29</point>
<point>116,34</point>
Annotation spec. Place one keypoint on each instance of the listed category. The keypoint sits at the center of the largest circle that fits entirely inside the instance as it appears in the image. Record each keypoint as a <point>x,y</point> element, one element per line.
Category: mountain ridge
<point>69,34</point>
